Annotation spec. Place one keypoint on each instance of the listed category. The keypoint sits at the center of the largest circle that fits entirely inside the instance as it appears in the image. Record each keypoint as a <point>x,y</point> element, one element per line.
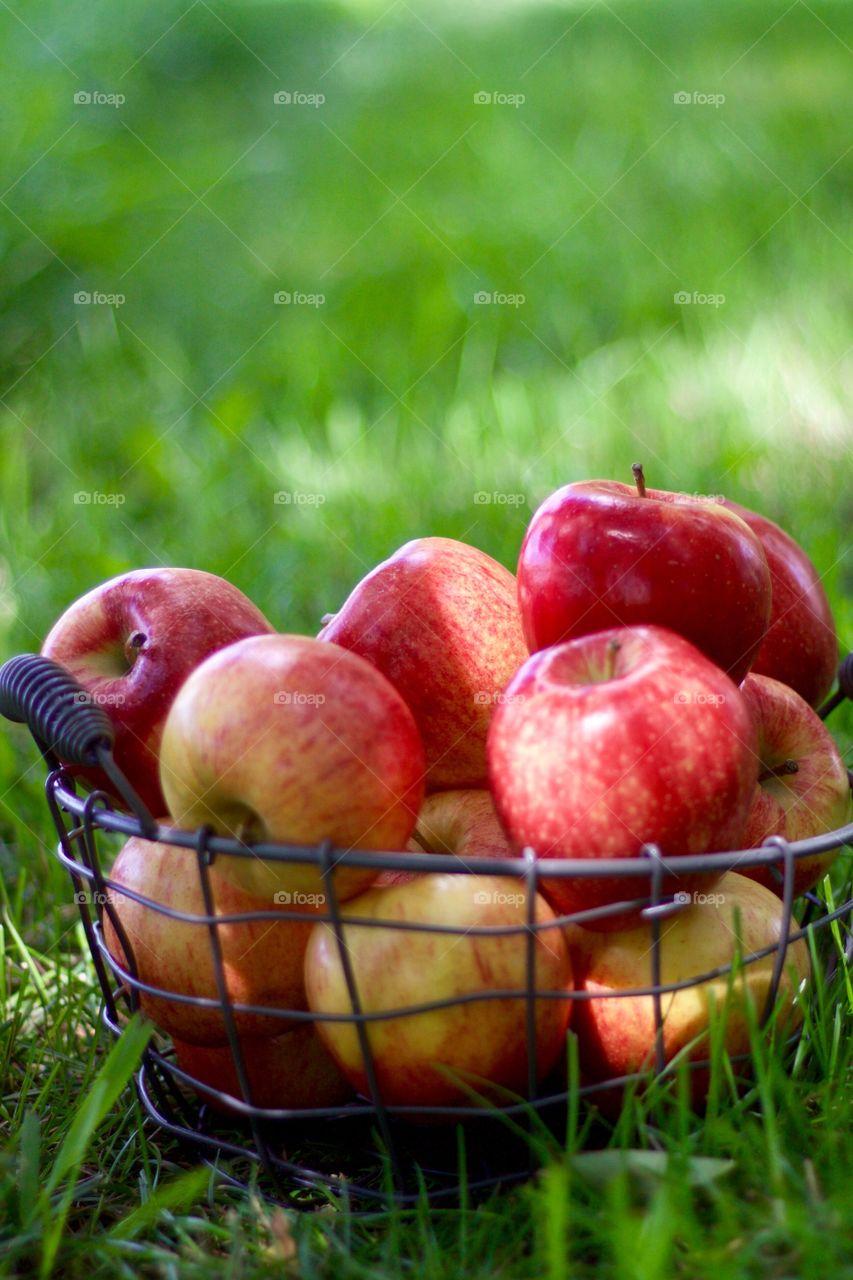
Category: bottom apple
<point>482,952</point>
<point>616,1032</point>
<point>292,1070</point>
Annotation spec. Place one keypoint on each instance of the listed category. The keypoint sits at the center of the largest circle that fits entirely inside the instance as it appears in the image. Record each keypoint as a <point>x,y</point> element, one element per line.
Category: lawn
<point>275,339</point>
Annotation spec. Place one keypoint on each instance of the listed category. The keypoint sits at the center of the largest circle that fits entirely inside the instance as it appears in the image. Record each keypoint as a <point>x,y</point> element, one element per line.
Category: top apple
<point>440,620</point>
<point>598,554</point>
<point>131,643</point>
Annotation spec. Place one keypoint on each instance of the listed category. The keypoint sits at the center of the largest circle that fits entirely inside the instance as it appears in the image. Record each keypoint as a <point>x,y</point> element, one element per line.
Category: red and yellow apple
<point>803,789</point>
<point>261,958</point>
<point>616,1030</point>
<point>285,739</point>
<point>440,619</point>
<point>801,645</point>
<point>131,643</point>
<point>613,741</point>
<point>396,966</point>
<point>598,554</point>
<point>286,1071</point>
<point>463,823</point>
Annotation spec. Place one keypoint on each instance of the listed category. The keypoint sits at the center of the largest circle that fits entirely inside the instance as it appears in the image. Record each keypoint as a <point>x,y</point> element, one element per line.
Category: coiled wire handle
<point>67,726</point>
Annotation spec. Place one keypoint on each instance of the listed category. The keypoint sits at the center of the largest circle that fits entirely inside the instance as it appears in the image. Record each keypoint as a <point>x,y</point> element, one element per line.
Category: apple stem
<point>613,648</point>
<point>780,770</point>
<point>639,478</point>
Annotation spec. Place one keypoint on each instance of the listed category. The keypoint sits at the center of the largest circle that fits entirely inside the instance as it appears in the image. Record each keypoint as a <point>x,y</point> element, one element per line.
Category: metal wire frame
<point>398,1179</point>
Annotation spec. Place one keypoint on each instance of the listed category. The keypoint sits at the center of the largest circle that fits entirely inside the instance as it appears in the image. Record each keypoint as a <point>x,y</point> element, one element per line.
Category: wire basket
<point>366,1150</point>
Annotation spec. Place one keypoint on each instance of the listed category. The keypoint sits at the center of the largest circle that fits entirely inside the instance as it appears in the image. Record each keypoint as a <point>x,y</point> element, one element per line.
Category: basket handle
<point>56,709</point>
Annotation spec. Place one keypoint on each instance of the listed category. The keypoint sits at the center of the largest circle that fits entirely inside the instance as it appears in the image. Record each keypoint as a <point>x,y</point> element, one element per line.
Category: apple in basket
<point>131,643</point>
<point>616,740</point>
<point>286,739</point>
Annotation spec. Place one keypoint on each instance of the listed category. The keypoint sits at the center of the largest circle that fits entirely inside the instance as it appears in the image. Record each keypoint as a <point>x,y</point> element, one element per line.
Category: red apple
<point>616,740</point>
<point>287,1071</point>
<point>439,619</point>
<point>396,968</point>
<point>283,738</point>
<point>616,1030</point>
<point>261,959</point>
<point>802,789</point>
<point>801,645</point>
<point>131,643</point>
<point>598,553</point>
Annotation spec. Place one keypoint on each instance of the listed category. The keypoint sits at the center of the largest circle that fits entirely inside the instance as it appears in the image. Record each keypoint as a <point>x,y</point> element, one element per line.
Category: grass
<point>391,409</point>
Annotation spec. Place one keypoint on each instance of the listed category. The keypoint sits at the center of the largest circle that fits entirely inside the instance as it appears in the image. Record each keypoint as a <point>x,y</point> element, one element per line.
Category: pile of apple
<point>648,681</point>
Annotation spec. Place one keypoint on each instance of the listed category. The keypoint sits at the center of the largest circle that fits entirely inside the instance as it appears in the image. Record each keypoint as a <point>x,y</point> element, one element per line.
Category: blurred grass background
<point>395,406</point>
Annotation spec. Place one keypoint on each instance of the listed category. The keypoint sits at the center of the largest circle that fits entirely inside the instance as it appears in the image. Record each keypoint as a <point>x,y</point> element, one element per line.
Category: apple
<point>616,1032</point>
<point>463,823</point>
<point>440,619</point>
<point>283,738</point>
<point>286,1071</point>
<point>801,645</point>
<point>261,959</point>
<point>615,740</point>
<point>397,967</point>
<point>803,789</point>
<point>131,643</point>
<point>598,553</point>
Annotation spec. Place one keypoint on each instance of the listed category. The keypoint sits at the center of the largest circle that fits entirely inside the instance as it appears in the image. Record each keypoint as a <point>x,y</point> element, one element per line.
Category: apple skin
<point>262,959</point>
<point>464,823</point>
<point>440,619</point>
<point>282,738</point>
<point>615,740</point>
<point>183,615</point>
<point>395,968</point>
<point>616,1034</point>
<point>795,805</point>
<point>596,554</point>
<point>801,644</point>
<point>286,1071</point>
